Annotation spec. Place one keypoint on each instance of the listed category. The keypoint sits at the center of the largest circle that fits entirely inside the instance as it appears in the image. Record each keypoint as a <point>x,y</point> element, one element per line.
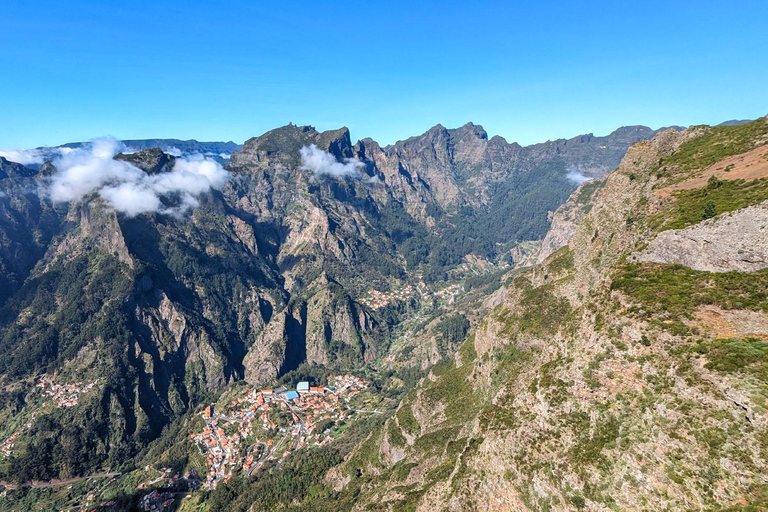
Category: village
<point>63,395</point>
<point>60,395</point>
<point>376,299</point>
<point>268,424</point>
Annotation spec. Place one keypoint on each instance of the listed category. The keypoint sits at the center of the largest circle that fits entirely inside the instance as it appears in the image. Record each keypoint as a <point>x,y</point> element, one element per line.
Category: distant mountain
<point>735,122</point>
<point>176,147</point>
<point>13,170</point>
<point>483,195</point>
<point>263,278</point>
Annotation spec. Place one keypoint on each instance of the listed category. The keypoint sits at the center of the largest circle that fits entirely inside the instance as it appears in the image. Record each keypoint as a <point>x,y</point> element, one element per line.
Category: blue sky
<point>528,71</point>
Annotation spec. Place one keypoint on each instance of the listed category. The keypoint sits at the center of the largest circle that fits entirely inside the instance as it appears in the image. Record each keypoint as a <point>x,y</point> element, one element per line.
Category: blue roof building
<point>291,395</point>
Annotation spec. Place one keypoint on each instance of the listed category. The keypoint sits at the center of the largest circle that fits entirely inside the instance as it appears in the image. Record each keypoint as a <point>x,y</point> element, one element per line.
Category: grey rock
<point>735,241</point>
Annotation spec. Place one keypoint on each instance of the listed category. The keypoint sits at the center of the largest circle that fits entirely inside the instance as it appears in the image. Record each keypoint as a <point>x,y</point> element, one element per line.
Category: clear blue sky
<point>529,71</point>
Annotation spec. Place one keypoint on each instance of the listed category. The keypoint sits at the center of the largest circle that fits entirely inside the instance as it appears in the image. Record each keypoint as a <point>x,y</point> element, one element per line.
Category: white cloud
<point>173,151</point>
<point>576,176</point>
<point>320,162</point>
<point>90,168</point>
<point>223,156</point>
<point>197,165</point>
<point>23,156</point>
<point>131,198</point>
<point>128,189</point>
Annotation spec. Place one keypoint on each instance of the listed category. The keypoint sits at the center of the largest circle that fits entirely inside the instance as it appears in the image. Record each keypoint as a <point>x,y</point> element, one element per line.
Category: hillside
<point>277,271</point>
<point>626,371</point>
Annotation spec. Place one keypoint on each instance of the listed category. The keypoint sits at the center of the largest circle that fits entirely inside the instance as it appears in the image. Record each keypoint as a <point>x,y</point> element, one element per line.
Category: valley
<point>383,257</point>
<point>354,338</point>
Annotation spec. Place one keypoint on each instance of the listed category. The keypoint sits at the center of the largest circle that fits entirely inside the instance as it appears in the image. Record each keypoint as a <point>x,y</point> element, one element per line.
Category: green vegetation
<point>298,481</point>
<point>710,210</point>
<point>748,356</point>
<point>493,280</point>
<point>588,191</point>
<point>560,261</point>
<point>516,212</point>
<point>395,435</point>
<point>672,292</point>
<point>67,306</point>
<point>716,144</point>
<point>542,312</point>
<point>589,448</point>
<point>554,389</point>
<point>452,389</point>
<point>451,329</point>
<point>406,419</point>
<point>692,206</point>
<point>467,352</point>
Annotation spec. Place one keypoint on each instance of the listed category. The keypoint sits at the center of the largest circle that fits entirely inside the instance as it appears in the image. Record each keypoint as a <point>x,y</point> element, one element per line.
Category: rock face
<point>264,275</point>
<point>567,218</point>
<point>13,170</point>
<point>733,241</point>
<point>279,148</point>
<point>462,166</point>
<point>151,161</point>
<point>598,383</point>
<point>93,227</point>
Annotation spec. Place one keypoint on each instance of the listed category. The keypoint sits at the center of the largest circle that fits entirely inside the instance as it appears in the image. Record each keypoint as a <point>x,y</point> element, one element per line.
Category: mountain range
<point>264,276</point>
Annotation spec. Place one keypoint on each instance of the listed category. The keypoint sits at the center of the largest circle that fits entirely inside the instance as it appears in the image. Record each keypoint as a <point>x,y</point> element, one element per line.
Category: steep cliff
<point>163,310</point>
<point>603,382</point>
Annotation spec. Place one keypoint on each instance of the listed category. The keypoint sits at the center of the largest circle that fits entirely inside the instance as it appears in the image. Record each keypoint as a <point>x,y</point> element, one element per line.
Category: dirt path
<point>54,483</point>
<point>733,323</point>
<point>746,166</point>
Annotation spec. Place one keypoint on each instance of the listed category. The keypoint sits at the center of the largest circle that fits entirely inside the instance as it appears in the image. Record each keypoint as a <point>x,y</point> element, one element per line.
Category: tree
<point>710,210</point>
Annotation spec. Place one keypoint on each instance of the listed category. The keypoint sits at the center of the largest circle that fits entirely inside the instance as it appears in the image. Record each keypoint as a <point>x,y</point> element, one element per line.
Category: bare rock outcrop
<point>711,245</point>
<point>566,219</point>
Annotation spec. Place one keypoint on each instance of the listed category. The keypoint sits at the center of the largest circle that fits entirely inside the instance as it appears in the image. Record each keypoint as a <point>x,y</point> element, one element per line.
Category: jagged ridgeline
<point>160,312</point>
<point>625,371</point>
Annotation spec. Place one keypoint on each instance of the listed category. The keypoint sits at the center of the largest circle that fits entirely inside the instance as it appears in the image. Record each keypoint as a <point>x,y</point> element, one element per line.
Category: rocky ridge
<point>597,384</point>
<point>261,278</point>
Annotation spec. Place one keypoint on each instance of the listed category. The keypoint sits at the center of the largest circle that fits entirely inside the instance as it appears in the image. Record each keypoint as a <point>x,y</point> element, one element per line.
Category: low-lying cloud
<point>321,162</point>
<point>126,188</point>
<point>23,156</point>
<point>576,176</point>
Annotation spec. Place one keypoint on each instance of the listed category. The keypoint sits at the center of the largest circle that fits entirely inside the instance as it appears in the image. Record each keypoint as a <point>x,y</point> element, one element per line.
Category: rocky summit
<point>450,322</point>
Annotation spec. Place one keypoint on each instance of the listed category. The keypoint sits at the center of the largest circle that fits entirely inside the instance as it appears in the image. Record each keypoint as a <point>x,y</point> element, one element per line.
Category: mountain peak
<point>438,128</point>
<point>9,169</point>
<point>151,161</point>
<point>471,129</point>
<point>282,146</point>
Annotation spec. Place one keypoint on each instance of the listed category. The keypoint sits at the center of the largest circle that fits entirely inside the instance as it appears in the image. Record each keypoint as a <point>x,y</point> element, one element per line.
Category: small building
<point>302,387</point>
<point>281,389</point>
